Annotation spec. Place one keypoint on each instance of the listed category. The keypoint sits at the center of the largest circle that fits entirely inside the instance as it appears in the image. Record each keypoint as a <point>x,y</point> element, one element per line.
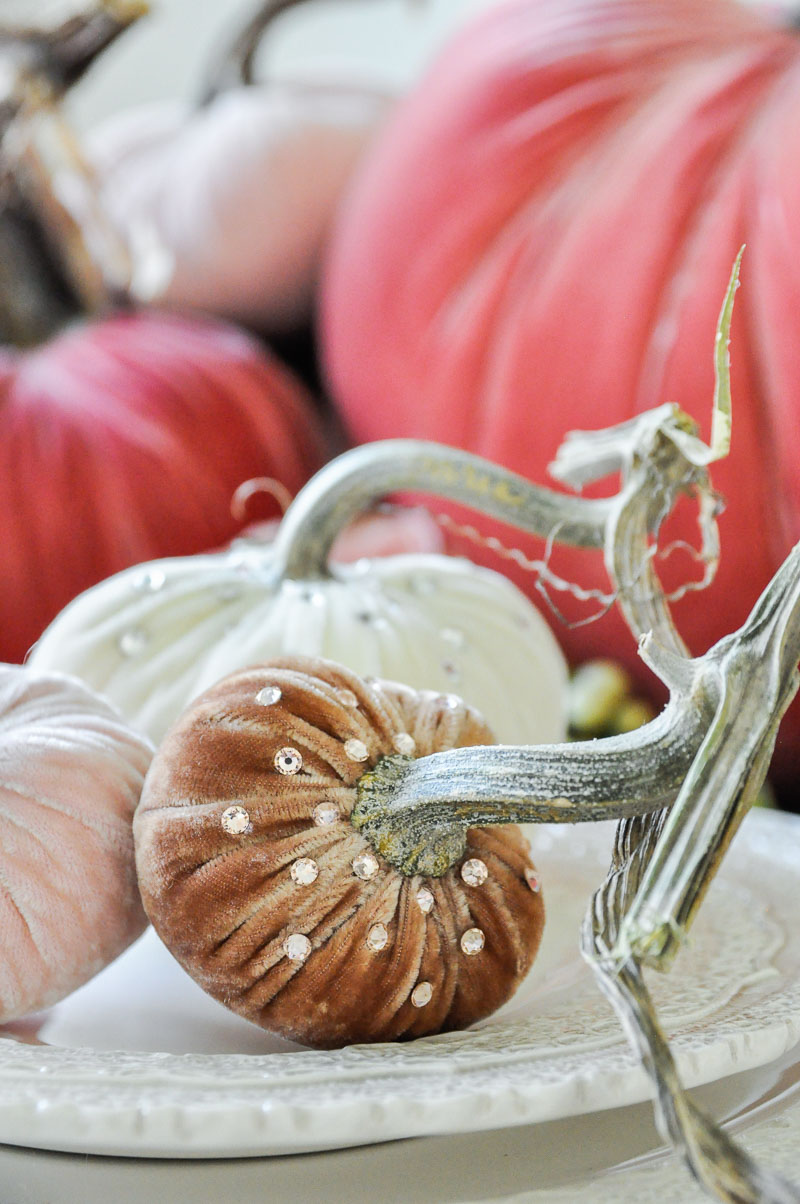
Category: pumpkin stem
<point>234,67</point>
<point>658,455</point>
<point>60,56</point>
<point>59,256</point>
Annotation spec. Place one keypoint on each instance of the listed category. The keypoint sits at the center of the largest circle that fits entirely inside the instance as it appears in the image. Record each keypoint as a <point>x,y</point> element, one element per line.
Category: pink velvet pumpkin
<point>123,440</point>
<point>240,193</point>
<point>541,240</point>
<point>71,772</point>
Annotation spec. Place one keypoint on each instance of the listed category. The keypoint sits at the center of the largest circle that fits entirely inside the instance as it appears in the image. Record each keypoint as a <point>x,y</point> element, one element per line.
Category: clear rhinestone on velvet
<point>405,744</point>
<point>422,585</point>
<point>326,814</point>
<point>235,820</point>
<point>472,941</point>
<point>269,696</point>
<point>356,750</point>
<point>346,697</point>
<point>425,900</point>
<point>288,761</point>
<point>377,938</point>
<point>314,597</point>
<point>229,593</point>
<point>366,865</point>
<point>422,994</point>
<point>474,872</point>
<point>297,947</point>
<point>133,641</point>
<point>533,879</point>
<point>304,871</point>
<point>151,581</point>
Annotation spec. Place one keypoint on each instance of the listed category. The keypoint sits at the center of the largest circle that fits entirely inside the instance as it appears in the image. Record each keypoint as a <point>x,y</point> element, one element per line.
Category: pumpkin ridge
<point>701,213</point>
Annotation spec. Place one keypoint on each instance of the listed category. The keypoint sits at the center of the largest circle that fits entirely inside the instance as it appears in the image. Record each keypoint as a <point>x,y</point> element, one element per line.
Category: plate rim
<point>127,1111</point>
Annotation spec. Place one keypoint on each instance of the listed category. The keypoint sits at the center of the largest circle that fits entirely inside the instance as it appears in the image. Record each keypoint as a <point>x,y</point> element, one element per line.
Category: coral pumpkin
<point>540,241</point>
<point>71,773</point>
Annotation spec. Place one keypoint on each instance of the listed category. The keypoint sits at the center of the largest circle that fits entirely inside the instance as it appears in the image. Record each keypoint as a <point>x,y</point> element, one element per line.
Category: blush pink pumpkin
<point>71,772</point>
<point>240,194</point>
<point>541,242</point>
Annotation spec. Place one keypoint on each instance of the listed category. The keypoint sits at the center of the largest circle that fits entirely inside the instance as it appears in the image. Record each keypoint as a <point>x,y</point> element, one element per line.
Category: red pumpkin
<point>541,242</point>
<point>124,440</point>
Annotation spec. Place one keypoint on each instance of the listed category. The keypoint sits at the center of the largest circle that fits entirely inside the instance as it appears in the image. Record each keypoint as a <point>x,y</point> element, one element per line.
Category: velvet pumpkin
<point>155,636</point>
<point>539,242</point>
<point>122,437</point>
<point>71,772</point>
<point>257,878</point>
<point>240,190</point>
<point>125,439</point>
<point>240,193</point>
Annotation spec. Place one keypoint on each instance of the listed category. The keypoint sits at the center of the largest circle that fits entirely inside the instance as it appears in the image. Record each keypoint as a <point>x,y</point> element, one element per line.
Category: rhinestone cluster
<point>304,871</point>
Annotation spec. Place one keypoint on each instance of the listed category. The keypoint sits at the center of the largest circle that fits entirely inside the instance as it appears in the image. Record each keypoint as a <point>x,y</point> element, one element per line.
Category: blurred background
<point>371,41</point>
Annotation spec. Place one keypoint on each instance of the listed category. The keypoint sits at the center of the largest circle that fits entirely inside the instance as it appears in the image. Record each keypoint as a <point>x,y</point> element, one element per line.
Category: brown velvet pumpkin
<point>262,888</point>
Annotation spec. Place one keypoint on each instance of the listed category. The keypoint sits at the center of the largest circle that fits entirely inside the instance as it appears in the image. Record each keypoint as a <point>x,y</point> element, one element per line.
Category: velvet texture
<point>71,772</point>
<point>124,440</point>
<point>240,193</point>
<point>541,241</point>
<point>224,904</point>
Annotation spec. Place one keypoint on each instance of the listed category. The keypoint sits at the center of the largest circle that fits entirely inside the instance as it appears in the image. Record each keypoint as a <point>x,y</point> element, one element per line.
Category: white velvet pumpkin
<point>152,638</point>
<point>71,772</point>
<point>239,194</point>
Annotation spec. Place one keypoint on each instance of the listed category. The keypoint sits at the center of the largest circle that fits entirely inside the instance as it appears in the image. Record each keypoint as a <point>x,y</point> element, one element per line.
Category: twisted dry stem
<point>680,785</point>
<point>60,257</point>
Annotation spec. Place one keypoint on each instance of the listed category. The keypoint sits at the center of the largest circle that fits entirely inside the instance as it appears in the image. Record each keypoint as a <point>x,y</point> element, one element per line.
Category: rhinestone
<point>132,642</point>
<point>422,585</point>
<point>304,871</point>
<point>313,596</point>
<point>151,581</point>
<point>377,937</point>
<point>346,697</point>
<point>361,567</point>
<point>422,994</point>
<point>288,761</point>
<point>235,820</point>
<point>533,879</point>
<point>472,941</point>
<point>452,635</point>
<point>452,670</point>
<point>326,814</point>
<point>474,872</point>
<point>366,865</point>
<point>405,744</point>
<point>356,750</point>
<point>269,696</point>
<point>297,947</point>
<point>229,593</point>
<point>425,900</point>
<point>450,701</point>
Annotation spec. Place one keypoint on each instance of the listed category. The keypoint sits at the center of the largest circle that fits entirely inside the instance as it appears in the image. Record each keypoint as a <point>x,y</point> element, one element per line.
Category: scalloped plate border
<point>236,1105</point>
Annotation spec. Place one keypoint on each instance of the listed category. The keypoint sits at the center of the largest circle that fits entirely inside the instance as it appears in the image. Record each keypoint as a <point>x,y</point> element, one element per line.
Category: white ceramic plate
<point>140,1062</point>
